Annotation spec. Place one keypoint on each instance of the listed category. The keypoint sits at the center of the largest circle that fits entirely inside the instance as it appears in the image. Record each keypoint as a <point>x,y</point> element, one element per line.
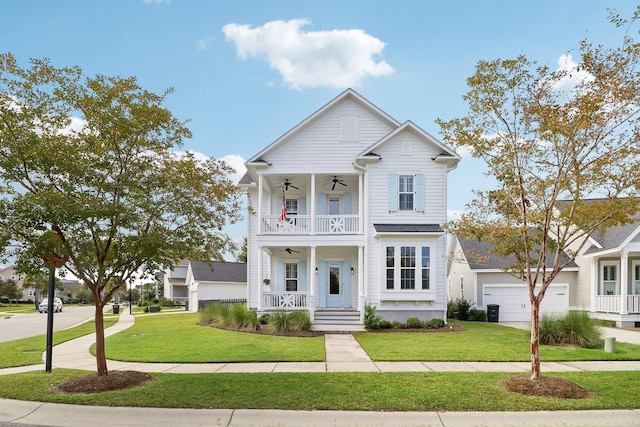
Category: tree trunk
<point>101,358</point>
<point>535,339</point>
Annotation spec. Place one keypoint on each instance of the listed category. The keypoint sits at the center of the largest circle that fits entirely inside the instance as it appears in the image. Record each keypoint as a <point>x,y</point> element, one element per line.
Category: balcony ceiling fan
<point>290,251</point>
<point>286,184</point>
<point>335,181</point>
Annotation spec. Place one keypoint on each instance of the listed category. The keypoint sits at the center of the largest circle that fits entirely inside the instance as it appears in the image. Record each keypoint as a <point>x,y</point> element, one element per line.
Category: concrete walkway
<point>343,354</point>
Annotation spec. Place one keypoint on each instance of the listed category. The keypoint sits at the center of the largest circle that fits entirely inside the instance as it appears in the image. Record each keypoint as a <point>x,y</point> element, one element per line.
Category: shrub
<point>414,323</point>
<point>435,323</point>
<point>395,324</point>
<point>477,315</point>
<point>242,318</point>
<point>280,322</point>
<point>300,321</point>
<point>463,308</point>
<point>575,328</point>
<point>371,320</point>
<point>452,310</point>
<point>385,324</point>
<point>264,319</point>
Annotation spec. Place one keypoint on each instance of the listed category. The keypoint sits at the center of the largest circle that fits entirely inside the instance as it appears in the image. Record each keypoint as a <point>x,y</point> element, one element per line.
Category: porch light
<point>316,270</point>
<point>352,270</point>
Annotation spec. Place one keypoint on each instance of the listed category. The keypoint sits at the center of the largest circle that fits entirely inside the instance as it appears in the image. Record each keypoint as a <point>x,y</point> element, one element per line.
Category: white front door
<point>334,285</point>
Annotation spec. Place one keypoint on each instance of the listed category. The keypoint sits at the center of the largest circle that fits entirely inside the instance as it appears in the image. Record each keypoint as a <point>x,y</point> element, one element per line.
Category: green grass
<point>19,308</point>
<point>461,391</point>
<point>177,338</point>
<point>483,342</point>
<point>28,351</point>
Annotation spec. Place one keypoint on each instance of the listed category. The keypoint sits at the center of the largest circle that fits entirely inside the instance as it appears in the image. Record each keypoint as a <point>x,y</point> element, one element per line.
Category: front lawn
<point>481,342</point>
<point>176,338</point>
<point>424,391</point>
<point>28,351</point>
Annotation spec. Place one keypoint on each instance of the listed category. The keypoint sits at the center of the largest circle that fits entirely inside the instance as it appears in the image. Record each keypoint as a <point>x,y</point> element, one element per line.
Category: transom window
<point>406,192</point>
<point>408,267</point>
<point>291,276</point>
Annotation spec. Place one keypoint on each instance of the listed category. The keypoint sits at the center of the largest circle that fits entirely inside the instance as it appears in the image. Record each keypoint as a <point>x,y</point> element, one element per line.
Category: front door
<point>335,285</point>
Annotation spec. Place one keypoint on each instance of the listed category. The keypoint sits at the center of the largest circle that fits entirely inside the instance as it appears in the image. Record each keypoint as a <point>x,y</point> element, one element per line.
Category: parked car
<point>44,305</point>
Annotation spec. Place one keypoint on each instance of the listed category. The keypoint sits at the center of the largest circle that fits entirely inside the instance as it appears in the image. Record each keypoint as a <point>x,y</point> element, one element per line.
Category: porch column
<point>260,274</point>
<point>313,284</point>
<point>260,190</point>
<point>312,204</point>
<point>624,281</point>
<point>361,194</point>
<point>361,281</point>
<point>594,283</point>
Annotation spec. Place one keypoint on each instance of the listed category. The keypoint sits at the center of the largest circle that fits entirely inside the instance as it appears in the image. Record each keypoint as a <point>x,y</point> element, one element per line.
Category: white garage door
<point>514,301</point>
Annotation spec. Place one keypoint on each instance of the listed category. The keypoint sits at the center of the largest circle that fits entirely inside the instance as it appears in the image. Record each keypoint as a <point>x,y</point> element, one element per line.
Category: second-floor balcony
<point>307,224</point>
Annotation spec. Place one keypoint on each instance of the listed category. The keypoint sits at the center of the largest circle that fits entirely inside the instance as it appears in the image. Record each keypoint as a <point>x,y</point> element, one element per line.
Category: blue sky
<point>245,72</point>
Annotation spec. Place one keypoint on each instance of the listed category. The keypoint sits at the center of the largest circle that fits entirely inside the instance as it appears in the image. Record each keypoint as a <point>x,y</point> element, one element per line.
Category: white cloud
<point>573,75</point>
<point>237,162</point>
<point>336,58</point>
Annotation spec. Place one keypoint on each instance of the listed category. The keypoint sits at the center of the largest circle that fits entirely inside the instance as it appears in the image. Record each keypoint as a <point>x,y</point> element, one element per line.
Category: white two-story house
<point>346,210</point>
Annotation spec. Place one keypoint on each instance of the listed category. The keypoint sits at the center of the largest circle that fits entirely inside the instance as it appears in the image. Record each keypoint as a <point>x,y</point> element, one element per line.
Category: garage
<point>514,301</point>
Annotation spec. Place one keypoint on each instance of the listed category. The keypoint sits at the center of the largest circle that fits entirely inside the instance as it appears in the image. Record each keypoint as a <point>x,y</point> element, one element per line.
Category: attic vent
<point>349,128</point>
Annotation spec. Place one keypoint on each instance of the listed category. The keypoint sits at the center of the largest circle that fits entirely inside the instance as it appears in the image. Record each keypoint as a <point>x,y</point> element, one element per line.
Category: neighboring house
<point>193,281</point>
<point>346,210</point>
<point>476,275</point>
<point>605,280</point>
<point>8,272</point>
<point>610,274</point>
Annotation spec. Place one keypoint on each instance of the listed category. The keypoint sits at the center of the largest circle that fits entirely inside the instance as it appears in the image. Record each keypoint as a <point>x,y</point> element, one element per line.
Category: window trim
<point>288,279</point>
<point>412,193</point>
<point>399,280</point>
<point>602,286</point>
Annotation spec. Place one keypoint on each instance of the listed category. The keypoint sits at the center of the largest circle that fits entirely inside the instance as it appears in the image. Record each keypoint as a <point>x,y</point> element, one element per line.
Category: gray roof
<point>614,236</point>
<point>408,228</point>
<point>235,272</point>
<point>246,179</point>
<point>479,256</point>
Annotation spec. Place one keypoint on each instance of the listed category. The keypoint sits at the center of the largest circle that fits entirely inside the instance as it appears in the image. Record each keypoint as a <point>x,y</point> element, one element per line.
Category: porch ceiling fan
<point>335,181</point>
<point>286,184</point>
<point>290,251</point>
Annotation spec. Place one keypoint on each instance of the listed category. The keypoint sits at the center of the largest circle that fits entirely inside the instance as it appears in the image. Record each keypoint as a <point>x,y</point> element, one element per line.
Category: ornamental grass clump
<point>575,328</point>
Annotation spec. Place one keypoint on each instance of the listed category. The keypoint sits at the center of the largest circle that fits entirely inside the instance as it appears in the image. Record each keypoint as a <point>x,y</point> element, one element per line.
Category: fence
<point>224,302</point>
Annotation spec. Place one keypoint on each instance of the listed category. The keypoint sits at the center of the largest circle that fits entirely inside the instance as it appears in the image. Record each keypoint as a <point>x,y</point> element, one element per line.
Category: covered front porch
<point>312,278</point>
<point>616,288</point>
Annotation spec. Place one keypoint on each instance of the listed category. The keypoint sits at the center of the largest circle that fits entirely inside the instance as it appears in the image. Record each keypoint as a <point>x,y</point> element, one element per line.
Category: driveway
<point>17,326</point>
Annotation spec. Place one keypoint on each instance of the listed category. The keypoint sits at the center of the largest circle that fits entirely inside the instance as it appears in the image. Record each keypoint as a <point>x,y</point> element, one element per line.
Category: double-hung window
<point>609,279</point>
<point>291,276</point>
<point>408,268</point>
<point>406,192</point>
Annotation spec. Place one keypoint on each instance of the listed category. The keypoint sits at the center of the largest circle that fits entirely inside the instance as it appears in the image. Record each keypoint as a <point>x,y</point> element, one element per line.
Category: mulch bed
<point>553,387</point>
<point>115,380</point>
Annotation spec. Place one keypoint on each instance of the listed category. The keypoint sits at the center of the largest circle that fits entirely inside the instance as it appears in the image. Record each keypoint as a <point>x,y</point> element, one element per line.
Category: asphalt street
<point>24,325</point>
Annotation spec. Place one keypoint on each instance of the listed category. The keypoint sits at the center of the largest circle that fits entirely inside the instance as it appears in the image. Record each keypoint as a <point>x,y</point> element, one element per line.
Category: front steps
<point>337,321</point>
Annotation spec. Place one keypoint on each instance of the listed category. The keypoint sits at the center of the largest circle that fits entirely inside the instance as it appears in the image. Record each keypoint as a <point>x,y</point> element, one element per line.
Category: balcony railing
<point>612,303</point>
<point>286,300</point>
<point>301,224</point>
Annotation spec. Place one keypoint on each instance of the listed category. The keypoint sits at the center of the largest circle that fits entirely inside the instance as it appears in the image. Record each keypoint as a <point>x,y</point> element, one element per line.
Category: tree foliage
<point>10,290</point>
<point>564,148</point>
<point>92,161</point>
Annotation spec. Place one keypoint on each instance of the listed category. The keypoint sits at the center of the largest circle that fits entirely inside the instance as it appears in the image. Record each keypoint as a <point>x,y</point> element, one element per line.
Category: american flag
<point>283,215</point>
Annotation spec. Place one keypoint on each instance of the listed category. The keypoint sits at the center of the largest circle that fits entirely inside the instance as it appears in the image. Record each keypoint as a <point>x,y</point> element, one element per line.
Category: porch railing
<point>301,224</point>
<point>612,303</point>
<point>287,300</point>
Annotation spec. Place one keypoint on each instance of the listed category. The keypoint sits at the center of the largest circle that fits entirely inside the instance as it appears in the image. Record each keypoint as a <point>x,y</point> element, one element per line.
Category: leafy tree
<point>93,181</point>
<point>563,147</point>
<point>39,281</point>
<point>242,256</point>
<point>10,289</point>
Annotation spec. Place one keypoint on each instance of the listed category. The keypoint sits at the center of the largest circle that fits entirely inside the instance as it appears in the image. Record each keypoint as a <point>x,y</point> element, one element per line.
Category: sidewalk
<point>343,354</point>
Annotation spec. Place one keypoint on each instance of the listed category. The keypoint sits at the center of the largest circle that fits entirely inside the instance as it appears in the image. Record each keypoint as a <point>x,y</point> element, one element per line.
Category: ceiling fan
<point>335,181</point>
<point>288,184</point>
<point>290,251</point>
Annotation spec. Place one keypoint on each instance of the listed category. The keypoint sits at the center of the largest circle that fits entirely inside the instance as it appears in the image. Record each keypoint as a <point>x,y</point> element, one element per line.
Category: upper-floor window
<point>292,206</point>
<point>406,192</point>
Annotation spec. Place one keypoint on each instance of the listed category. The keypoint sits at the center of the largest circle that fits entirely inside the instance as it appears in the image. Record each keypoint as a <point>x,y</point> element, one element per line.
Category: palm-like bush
<point>576,328</point>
